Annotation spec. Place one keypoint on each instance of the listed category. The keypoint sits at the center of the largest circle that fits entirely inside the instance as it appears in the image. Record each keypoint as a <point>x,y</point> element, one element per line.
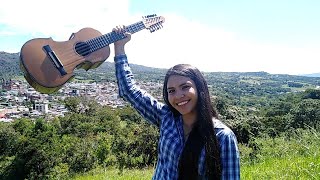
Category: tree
<point>312,94</point>
<point>306,113</point>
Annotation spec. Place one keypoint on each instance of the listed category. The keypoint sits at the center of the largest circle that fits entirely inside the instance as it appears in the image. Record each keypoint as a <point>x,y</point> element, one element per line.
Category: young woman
<point>193,143</point>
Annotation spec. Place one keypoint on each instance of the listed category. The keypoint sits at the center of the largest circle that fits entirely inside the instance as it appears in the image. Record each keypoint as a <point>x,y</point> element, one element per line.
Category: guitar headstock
<point>153,22</point>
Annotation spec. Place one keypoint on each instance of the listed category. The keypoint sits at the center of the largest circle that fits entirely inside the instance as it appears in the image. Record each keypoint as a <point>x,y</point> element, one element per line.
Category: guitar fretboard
<point>104,40</point>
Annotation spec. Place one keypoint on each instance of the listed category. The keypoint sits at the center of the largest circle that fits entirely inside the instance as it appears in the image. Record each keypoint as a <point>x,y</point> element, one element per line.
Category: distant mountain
<point>312,75</point>
<point>10,68</point>
<point>238,84</point>
<point>243,88</point>
<point>9,65</point>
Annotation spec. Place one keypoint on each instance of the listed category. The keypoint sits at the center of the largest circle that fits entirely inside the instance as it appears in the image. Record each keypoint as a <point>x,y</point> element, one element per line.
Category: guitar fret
<point>109,38</point>
<point>97,43</point>
<point>103,40</point>
<point>94,45</point>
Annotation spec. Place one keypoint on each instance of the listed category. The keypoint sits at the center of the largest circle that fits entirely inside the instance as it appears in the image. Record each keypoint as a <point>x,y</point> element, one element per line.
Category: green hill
<point>9,63</point>
<point>243,88</point>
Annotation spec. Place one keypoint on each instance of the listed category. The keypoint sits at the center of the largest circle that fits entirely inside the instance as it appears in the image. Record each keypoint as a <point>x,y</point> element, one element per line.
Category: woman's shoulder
<point>222,130</point>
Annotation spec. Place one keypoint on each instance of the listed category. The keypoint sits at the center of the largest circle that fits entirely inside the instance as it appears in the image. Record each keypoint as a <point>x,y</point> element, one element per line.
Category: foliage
<point>291,155</point>
<point>292,111</point>
<point>311,94</point>
<point>86,138</point>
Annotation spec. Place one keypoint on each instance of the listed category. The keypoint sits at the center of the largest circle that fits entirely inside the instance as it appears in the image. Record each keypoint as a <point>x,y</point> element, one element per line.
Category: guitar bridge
<point>57,63</point>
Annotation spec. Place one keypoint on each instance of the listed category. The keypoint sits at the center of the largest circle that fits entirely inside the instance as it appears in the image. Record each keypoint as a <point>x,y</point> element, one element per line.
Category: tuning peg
<point>151,15</point>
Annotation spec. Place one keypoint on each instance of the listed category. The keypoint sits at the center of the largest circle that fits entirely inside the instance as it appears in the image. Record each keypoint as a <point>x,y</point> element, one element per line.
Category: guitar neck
<point>106,39</point>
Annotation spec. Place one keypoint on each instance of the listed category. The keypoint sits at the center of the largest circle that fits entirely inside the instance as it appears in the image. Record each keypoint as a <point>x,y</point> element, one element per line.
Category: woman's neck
<point>188,123</point>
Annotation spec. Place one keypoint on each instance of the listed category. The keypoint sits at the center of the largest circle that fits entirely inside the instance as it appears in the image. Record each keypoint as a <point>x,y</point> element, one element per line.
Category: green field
<point>297,168</point>
<point>114,174</point>
<point>291,156</point>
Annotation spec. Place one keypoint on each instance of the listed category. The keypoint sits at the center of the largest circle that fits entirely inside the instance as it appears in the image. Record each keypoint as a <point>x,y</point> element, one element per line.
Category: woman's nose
<point>180,94</point>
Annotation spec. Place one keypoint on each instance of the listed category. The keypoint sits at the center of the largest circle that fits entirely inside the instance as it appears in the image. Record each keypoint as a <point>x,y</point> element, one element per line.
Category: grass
<point>299,168</point>
<point>283,168</point>
<point>294,156</point>
<point>114,174</point>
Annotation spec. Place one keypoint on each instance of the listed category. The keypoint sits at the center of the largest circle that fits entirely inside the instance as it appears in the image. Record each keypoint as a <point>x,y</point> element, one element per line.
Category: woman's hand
<point>119,45</point>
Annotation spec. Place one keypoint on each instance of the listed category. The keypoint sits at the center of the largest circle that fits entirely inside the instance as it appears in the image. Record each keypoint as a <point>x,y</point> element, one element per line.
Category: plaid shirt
<point>172,140</point>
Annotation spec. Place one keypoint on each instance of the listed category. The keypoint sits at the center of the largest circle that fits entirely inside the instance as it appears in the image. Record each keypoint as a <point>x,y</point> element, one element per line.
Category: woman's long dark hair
<point>203,134</point>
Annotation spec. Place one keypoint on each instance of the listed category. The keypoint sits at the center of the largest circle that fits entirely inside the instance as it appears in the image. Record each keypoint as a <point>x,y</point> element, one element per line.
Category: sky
<point>275,36</point>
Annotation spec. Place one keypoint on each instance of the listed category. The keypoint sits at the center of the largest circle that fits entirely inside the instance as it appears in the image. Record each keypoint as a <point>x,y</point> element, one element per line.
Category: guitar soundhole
<point>83,48</point>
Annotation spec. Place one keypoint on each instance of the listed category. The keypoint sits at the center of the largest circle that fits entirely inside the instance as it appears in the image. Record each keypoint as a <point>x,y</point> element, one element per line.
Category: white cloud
<point>59,18</point>
<point>212,49</point>
<point>181,40</point>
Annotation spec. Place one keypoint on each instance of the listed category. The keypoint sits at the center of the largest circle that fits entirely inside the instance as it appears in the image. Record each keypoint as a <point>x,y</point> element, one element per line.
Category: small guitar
<point>48,64</point>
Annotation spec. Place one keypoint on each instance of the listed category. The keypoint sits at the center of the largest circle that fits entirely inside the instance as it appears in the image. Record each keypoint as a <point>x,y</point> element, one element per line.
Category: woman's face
<point>182,94</point>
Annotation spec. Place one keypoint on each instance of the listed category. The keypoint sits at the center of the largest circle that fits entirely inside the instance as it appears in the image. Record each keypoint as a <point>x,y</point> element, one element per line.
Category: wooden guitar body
<point>40,71</point>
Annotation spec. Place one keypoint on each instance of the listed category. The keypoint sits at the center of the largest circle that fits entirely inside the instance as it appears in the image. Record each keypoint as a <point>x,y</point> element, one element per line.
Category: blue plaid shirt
<point>172,140</point>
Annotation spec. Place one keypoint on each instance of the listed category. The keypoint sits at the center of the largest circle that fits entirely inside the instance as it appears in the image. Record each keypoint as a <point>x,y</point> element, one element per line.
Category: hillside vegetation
<point>9,63</point>
<point>235,86</point>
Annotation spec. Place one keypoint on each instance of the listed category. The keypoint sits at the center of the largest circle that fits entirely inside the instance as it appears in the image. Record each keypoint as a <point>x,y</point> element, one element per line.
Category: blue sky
<point>290,22</point>
<point>276,36</point>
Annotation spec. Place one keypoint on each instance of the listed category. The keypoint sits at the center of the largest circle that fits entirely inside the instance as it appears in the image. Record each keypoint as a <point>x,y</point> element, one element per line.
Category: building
<point>10,85</point>
<point>41,106</point>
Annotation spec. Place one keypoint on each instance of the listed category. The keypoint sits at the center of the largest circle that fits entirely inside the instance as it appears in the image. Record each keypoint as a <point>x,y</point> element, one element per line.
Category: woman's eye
<point>170,91</point>
<point>185,87</point>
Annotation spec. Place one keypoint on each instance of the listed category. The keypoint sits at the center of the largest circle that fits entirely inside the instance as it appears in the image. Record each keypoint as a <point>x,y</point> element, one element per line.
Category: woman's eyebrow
<point>182,84</point>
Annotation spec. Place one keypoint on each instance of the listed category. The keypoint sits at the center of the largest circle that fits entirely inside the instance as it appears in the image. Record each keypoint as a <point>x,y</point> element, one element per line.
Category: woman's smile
<point>182,94</point>
<point>182,103</point>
